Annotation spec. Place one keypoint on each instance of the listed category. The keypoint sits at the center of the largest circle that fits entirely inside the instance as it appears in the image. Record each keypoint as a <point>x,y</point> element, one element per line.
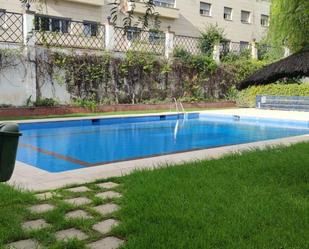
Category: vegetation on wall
<point>246,98</point>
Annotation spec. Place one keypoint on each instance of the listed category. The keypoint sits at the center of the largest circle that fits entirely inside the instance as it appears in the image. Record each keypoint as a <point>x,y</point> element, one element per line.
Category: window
<point>133,33</point>
<point>90,28</point>
<point>165,3</point>
<point>227,15</point>
<point>225,47</point>
<point>53,24</point>
<point>264,20</point>
<point>205,9</point>
<point>243,46</point>
<point>245,16</point>
<point>156,36</point>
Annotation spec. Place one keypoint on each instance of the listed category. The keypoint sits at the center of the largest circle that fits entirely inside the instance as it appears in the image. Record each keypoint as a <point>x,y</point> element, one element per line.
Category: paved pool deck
<point>32,178</point>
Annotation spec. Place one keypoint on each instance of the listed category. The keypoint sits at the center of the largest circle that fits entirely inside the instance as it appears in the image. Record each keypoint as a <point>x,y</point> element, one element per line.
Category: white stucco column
<point>109,35</point>
<point>216,53</point>
<point>29,27</point>
<point>254,50</point>
<point>287,52</point>
<point>169,43</point>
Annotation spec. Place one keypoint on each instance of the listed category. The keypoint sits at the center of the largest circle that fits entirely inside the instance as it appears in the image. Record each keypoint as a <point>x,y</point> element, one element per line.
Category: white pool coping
<point>32,178</point>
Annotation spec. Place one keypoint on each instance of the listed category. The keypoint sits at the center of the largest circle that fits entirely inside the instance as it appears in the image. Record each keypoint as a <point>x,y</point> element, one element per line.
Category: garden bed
<point>62,110</point>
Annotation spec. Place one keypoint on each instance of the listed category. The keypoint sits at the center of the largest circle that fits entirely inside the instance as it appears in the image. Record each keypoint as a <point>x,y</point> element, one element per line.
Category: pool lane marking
<point>56,155</point>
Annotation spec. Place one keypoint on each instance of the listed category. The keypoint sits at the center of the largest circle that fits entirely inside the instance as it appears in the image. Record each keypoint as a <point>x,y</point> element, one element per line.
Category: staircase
<point>289,103</point>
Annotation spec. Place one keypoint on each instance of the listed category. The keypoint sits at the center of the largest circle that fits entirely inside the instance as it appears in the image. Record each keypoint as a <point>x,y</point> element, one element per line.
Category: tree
<point>209,37</point>
<point>289,25</point>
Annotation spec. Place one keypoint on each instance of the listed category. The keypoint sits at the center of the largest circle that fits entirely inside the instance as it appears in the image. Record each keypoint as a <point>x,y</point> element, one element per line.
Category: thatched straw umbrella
<point>296,65</point>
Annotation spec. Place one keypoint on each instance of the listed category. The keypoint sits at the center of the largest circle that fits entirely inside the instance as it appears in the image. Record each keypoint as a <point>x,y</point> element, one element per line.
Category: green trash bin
<point>9,136</point>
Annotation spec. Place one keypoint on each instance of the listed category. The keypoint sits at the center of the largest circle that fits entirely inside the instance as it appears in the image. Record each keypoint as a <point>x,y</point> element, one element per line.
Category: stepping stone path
<point>44,196</point>
<point>109,195</point>
<point>106,208</point>
<point>108,185</point>
<point>82,189</point>
<point>105,226</point>
<point>42,208</point>
<point>78,201</point>
<point>72,233</point>
<point>78,214</point>
<point>35,224</point>
<point>24,244</point>
<point>106,243</point>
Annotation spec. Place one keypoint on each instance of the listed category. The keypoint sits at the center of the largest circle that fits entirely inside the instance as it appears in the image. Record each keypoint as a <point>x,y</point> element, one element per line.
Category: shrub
<point>90,104</point>
<point>246,98</point>
<point>228,74</point>
<point>212,35</point>
<point>47,102</point>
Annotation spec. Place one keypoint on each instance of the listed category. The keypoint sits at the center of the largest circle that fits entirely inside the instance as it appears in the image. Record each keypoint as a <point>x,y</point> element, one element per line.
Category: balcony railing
<point>165,8</point>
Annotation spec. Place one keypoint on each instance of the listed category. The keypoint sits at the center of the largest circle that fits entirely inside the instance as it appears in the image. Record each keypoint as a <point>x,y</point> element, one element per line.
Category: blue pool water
<point>68,145</point>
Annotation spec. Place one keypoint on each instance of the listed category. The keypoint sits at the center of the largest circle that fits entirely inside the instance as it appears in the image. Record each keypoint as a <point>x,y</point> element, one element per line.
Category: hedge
<point>246,98</point>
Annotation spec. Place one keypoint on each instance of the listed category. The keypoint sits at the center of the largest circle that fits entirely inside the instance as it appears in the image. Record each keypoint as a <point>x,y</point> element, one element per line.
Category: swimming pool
<point>59,146</point>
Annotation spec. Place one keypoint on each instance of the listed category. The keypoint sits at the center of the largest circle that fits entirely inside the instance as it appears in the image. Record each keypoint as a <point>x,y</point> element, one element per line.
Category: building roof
<point>295,65</point>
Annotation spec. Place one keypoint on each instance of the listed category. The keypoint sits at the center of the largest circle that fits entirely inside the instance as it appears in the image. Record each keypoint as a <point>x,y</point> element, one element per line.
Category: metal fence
<point>188,43</point>
<point>134,39</point>
<point>236,48</point>
<point>11,27</point>
<point>70,34</point>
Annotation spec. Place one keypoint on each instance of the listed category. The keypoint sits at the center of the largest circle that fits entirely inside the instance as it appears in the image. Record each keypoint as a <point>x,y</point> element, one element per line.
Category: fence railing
<point>11,27</point>
<point>234,47</point>
<point>188,43</point>
<point>139,40</point>
<point>30,29</point>
<point>72,34</point>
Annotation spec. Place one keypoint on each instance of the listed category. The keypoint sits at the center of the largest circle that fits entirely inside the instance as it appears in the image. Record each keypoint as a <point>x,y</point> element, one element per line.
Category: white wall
<point>18,82</point>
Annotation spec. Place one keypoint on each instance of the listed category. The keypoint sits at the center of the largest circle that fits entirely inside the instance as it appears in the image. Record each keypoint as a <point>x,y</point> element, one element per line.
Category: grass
<point>14,213</point>
<point>78,115</point>
<point>256,200</point>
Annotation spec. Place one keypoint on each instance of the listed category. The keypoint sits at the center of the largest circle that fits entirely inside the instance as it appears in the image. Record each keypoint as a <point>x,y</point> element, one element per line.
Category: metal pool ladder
<point>179,106</point>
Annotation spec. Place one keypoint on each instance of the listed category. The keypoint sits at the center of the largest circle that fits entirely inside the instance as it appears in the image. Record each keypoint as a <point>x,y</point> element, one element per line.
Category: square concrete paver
<point>78,201</point>
<point>106,243</point>
<point>81,189</point>
<point>105,226</point>
<point>70,234</point>
<point>108,185</point>
<point>106,208</point>
<point>24,244</point>
<point>42,208</point>
<point>78,214</point>
<point>108,195</point>
<point>35,224</point>
<point>44,196</point>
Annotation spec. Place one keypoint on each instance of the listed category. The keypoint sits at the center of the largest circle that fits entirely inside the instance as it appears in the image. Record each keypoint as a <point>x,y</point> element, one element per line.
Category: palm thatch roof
<point>295,65</point>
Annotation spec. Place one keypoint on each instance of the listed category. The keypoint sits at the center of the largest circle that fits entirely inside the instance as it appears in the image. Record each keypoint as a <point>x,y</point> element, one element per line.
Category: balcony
<point>165,8</point>
<point>89,2</point>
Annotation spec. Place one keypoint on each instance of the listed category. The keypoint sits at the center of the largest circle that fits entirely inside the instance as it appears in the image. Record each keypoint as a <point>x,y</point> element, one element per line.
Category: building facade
<point>242,20</point>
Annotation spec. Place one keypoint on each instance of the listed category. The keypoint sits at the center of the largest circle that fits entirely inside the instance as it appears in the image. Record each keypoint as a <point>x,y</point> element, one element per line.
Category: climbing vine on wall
<point>139,77</point>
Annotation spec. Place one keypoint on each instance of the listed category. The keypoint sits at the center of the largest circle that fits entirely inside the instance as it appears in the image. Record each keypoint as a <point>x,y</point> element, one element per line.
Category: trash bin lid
<point>9,128</point>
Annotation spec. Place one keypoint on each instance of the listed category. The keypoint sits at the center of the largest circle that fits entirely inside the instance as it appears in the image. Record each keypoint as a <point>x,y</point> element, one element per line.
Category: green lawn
<point>77,115</point>
<point>257,200</point>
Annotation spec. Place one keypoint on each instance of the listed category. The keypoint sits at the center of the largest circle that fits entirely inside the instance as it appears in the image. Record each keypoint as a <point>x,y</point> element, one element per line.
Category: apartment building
<point>242,20</point>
